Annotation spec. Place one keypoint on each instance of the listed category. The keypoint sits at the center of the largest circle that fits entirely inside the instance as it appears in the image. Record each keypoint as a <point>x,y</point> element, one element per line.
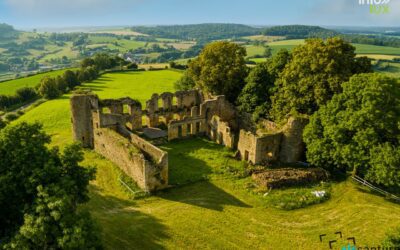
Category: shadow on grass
<point>203,194</point>
<point>191,162</point>
<point>122,225</point>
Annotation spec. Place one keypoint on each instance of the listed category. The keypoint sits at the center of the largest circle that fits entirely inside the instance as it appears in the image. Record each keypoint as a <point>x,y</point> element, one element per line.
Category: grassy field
<point>207,209</point>
<point>10,87</point>
<point>219,213</point>
<point>55,114</point>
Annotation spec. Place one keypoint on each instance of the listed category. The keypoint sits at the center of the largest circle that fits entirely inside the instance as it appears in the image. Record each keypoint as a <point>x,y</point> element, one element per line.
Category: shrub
<point>11,117</point>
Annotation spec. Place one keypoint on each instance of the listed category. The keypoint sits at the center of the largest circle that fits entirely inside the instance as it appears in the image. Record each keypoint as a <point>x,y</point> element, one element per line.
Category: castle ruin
<point>125,133</point>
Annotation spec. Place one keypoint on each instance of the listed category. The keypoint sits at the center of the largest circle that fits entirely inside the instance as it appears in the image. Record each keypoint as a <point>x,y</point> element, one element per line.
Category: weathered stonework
<point>284,145</point>
<point>111,127</point>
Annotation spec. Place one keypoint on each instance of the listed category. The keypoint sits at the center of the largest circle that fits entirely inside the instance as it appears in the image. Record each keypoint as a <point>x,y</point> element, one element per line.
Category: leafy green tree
<point>91,72</point>
<point>359,130</point>
<point>26,93</point>
<point>48,88</point>
<point>84,75</point>
<point>255,96</point>
<point>267,51</point>
<point>40,190</point>
<point>185,82</point>
<point>71,79</point>
<point>103,61</point>
<point>220,69</point>
<point>315,73</point>
<point>86,62</point>
<point>61,84</point>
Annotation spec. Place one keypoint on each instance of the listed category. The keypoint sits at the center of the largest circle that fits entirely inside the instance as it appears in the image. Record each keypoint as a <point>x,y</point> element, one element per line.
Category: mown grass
<point>10,87</point>
<point>210,206</point>
<point>220,213</point>
<point>55,114</point>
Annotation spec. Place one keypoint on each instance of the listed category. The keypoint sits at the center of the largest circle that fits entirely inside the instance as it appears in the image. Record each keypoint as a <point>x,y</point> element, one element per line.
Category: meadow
<point>373,51</point>
<point>10,87</point>
<point>207,208</point>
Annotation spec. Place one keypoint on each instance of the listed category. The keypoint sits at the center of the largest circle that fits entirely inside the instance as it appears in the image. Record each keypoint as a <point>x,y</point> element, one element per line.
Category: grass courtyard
<point>207,208</point>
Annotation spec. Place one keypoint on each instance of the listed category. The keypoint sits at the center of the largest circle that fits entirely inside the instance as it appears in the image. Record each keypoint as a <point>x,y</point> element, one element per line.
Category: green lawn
<point>10,87</point>
<point>219,213</point>
<point>55,114</point>
<point>207,209</point>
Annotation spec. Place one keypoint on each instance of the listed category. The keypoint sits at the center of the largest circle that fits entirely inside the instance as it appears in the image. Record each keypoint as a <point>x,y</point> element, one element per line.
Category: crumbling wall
<point>118,150</point>
<point>149,173</point>
<point>292,146</point>
<point>221,132</point>
<point>81,118</point>
<point>259,149</point>
<point>247,146</point>
<point>186,127</point>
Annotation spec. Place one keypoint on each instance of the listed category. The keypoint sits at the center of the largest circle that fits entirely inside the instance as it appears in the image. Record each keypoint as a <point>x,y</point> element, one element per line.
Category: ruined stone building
<point>124,132</point>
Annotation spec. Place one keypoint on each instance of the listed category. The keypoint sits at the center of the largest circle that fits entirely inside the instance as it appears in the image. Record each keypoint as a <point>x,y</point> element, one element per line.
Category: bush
<point>393,239</point>
<point>132,66</point>
<point>11,117</point>
<point>48,88</point>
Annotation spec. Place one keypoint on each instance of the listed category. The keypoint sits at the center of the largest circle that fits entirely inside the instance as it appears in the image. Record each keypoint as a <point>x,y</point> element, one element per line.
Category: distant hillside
<point>203,32</point>
<point>7,31</point>
<point>299,31</point>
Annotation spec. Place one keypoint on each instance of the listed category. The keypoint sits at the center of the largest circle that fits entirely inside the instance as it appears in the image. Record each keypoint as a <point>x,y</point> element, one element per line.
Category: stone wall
<point>186,127</point>
<point>284,145</point>
<point>149,176</point>
<point>292,147</point>
<point>81,118</point>
<point>221,132</point>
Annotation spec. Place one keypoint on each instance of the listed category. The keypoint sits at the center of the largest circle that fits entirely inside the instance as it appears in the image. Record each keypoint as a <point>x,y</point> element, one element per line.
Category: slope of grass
<point>55,114</point>
<point>10,87</point>
<point>208,209</point>
<point>219,213</point>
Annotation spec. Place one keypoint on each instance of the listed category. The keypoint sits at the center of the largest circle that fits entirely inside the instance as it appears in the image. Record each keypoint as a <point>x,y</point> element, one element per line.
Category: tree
<point>71,79</point>
<point>220,69</point>
<point>26,93</point>
<point>86,62</point>
<point>257,90</point>
<point>61,84</point>
<point>255,97</point>
<point>267,51</point>
<point>359,130</point>
<point>185,82</point>
<point>48,88</point>
<point>314,74</point>
<point>42,212</point>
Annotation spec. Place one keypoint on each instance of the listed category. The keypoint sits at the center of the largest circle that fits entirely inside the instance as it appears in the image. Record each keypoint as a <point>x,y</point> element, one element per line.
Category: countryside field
<point>375,52</point>
<point>11,86</point>
<point>190,215</point>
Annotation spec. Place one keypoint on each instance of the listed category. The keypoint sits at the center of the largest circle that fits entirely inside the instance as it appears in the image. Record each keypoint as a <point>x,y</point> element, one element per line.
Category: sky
<point>73,13</point>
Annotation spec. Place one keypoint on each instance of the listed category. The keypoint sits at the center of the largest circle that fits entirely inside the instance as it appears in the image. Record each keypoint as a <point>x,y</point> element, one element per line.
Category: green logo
<point>376,7</point>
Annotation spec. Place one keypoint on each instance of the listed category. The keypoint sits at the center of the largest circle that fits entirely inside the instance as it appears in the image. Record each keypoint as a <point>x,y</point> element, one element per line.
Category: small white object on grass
<point>319,194</point>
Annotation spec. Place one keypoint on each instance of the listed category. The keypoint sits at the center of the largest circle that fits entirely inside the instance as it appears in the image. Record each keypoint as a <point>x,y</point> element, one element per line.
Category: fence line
<point>126,185</point>
<point>367,184</point>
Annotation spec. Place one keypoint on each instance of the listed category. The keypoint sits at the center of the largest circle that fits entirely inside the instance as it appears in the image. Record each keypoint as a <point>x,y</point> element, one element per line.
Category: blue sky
<point>67,13</point>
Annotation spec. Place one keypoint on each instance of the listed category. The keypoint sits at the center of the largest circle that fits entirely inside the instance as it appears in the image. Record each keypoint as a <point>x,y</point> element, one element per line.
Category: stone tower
<point>82,122</point>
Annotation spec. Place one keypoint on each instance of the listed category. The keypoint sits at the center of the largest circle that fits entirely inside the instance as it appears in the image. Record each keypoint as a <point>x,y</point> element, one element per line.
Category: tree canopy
<point>255,98</point>
<point>40,190</point>
<point>359,130</point>
<point>220,69</point>
<point>314,74</point>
